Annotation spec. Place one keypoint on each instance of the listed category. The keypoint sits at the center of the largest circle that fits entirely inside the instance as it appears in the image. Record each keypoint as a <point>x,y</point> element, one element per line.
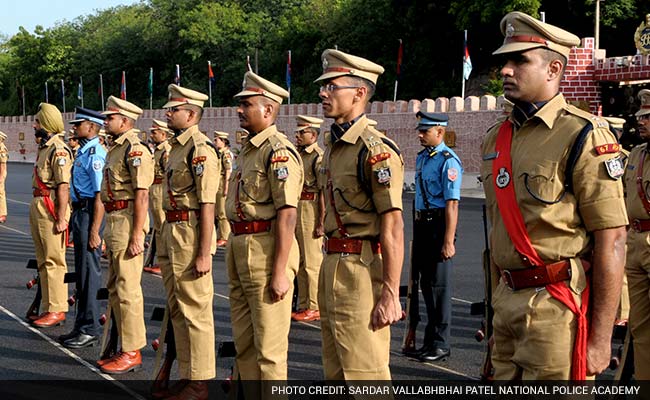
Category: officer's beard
<point>41,134</point>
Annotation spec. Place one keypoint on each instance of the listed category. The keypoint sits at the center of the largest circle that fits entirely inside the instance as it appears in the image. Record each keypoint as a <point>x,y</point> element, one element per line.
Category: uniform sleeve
<point>140,165</point>
<point>286,177</point>
<point>61,164</point>
<point>95,170</point>
<point>4,154</point>
<point>599,195</point>
<point>387,178</point>
<point>452,176</point>
<point>227,161</point>
<point>206,169</point>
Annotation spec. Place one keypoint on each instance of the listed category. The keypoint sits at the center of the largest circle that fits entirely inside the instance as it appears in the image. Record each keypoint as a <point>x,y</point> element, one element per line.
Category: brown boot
<point>50,319</point>
<point>126,361</point>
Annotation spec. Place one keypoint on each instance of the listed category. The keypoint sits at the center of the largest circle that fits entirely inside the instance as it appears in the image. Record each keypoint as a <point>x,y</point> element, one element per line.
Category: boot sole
<point>92,343</point>
<point>48,326</point>
<point>135,368</point>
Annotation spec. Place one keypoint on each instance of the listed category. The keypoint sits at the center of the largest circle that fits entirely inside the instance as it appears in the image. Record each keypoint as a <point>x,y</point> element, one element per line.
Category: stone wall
<point>469,119</point>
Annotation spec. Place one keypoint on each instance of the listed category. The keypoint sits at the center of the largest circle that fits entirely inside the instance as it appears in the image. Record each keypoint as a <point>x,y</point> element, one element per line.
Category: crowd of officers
<point>333,219</point>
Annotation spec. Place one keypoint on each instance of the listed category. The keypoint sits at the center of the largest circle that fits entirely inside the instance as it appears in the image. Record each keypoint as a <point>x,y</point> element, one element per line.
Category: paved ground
<point>30,354</point>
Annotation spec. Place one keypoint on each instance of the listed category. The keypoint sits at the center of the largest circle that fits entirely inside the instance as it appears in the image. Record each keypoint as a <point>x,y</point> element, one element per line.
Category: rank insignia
<point>279,159</point>
<point>61,153</point>
<point>452,174</point>
<point>615,167</point>
<point>135,154</point>
<point>136,162</point>
<point>503,178</point>
<point>91,151</point>
<point>61,161</point>
<point>198,169</point>
<point>608,148</point>
<point>378,158</point>
<point>282,173</point>
<point>383,175</point>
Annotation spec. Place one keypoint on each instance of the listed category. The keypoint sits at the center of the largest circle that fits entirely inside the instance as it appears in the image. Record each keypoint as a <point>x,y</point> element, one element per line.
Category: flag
<point>467,62</point>
<point>210,74</point>
<point>289,70</point>
<point>150,85</point>
<point>80,91</point>
<point>248,63</point>
<point>123,86</point>
<point>177,76</point>
<point>47,94</point>
<point>400,55</point>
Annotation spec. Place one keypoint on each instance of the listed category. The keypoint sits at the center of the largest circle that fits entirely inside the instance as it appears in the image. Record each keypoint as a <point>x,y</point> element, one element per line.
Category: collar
<point>161,145</point>
<point>310,149</point>
<point>547,111</point>
<point>261,137</point>
<point>90,143</point>
<point>122,138</point>
<point>183,136</point>
<point>349,131</point>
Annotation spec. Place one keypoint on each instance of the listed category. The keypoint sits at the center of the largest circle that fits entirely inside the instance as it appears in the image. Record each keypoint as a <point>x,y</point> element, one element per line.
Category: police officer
<point>4,157</point>
<point>311,216</point>
<point>159,133</point>
<point>438,177</point>
<point>87,227</point>
<point>188,241</point>
<point>128,174</point>
<point>223,226</point>
<point>548,228</point>
<point>262,253</point>
<point>73,142</point>
<point>49,213</point>
<point>637,268</point>
<point>364,174</point>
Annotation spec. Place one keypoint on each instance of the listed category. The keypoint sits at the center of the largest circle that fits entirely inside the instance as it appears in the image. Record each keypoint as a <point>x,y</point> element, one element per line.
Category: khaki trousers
<point>3,194</point>
<point>637,269</point>
<point>50,255</point>
<point>223,231</point>
<point>349,287</point>
<point>260,327</point>
<point>189,299</point>
<point>124,275</point>
<point>311,254</point>
<point>156,206</point>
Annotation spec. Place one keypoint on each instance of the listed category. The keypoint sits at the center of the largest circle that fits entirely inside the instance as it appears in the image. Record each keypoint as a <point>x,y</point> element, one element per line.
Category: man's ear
<point>555,69</point>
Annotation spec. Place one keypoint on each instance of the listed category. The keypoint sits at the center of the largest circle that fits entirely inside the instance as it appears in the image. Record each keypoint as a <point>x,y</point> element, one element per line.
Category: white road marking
<point>14,230</point>
<point>17,201</point>
<point>72,355</point>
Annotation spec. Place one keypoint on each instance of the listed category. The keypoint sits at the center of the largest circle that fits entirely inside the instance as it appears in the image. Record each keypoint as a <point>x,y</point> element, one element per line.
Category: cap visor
<point>109,112</point>
<point>516,47</point>
<point>330,75</point>
<point>642,112</point>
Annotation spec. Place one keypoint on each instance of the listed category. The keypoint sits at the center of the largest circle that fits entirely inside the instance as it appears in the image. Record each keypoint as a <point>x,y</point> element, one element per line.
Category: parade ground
<point>32,354</point>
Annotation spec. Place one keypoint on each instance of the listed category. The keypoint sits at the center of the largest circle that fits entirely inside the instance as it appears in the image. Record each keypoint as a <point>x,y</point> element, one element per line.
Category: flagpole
<point>81,88</point>
<point>63,94</point>
<point>101,89</point>
<point>151,88</point>
<point>23,91</point>
<point>399,68</point>
<point>462,71</point>
<point>210,83</point>
<point>289,76</point>
<point>178,75</point>
<point>47,96</point>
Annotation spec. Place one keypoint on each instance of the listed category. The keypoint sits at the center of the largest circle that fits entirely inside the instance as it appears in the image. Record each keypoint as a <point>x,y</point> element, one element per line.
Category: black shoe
<point>416,353</point>
<point>436,354</point>
<point>80,341</point>
<point>67,336</point>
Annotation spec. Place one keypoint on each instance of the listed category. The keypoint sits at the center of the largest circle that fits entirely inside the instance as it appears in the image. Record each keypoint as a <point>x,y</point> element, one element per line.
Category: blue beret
<point>83,114</point>
<point>427,120</point>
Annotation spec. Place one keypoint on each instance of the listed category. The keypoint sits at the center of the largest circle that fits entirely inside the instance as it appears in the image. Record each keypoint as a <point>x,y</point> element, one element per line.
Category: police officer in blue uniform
<point>87,226</point>
<point>437,192</point>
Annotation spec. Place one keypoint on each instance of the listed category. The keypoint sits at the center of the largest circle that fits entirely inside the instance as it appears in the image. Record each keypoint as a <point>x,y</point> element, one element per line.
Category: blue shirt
<point>439,173</point>
<point>88,170</point>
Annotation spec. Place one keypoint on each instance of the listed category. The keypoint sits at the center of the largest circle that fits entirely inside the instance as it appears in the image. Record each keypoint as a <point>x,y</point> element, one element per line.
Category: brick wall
<point>579,83</point>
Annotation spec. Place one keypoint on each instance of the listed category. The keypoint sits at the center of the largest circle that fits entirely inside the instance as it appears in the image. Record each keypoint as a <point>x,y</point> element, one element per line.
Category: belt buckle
<point>507,277</point>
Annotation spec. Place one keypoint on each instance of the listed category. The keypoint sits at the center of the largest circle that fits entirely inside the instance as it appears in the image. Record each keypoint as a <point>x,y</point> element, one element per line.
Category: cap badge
<point>510,30</point>
<point>325,64</point>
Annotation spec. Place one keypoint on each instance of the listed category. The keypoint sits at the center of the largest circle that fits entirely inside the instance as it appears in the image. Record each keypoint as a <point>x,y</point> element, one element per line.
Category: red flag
<point>400,55</point>
<point>210,73</point>
<point>123,86</point>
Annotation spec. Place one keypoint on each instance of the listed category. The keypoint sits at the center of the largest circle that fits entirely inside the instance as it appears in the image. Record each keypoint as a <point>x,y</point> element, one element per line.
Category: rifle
<point>34,308</point>
<point>109,340</point>
<point>411,291</point>
<point>160,386</point>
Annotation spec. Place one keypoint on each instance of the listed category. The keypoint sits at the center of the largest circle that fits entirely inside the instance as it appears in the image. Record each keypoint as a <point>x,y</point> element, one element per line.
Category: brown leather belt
<point>179,215</point>
<point>539,276</point>
<point>41,192</point>
<point>115,205</point>
<point>157,181</point>
<point>349,246</point>
<point>244,227</point>
<point>307,196</point>
<point>641,225</point>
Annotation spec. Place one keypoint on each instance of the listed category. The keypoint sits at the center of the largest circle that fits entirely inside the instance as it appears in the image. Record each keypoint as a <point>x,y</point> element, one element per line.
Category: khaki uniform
<point>350,284</point>
<point>311,250</point>
<point>4,157</point>
<point>624,307</point>
<point>129,166</point>
<point>189,298</point>
<point>52,168</point>
<point>533,332</point>
<point>220,205</point>
<point>637,267</point>
<point>269,176</point>
<point>156,191</point>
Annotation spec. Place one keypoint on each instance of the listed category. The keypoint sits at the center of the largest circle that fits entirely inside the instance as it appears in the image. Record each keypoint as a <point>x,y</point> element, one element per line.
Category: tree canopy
<point>159,34</point>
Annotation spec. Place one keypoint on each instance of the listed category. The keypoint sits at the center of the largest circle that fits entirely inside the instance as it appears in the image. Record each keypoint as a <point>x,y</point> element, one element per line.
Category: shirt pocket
<point>181,180</point>
<point>487,179</point>
<point>349,195</point>
<point>256,186</point>
<point>542,182</point>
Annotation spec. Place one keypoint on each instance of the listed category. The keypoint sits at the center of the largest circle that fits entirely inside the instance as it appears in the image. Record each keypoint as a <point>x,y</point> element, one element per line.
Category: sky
<point>29,13</point>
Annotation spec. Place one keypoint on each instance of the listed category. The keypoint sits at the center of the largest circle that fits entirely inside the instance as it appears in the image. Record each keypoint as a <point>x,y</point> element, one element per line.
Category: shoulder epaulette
<point>447,154</point>
<point>276,144</point>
